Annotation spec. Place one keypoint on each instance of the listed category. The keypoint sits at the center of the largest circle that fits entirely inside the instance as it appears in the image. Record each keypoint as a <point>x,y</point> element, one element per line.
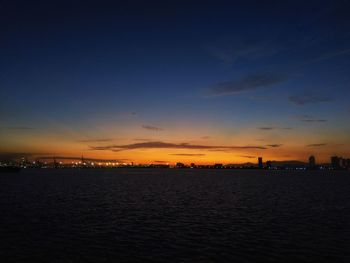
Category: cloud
<point>165,145</point>
<point>23,128</point>
<point>307,118</point>
<point>266,128</point>
<point>205,137</point>
<point>304,99</point>
<point>142,140</point>
<point>269,128</point>
<point>274,145</point>
<point>96,140</point>
<point>260,140</point>
<point>187,154</point>
<point>127,114</point>
<point>152,128</point>
<point>251,82</point>
<point>232,49</point>
<point>326,56</point>
<point>316,145</point>
<point>247,156</point>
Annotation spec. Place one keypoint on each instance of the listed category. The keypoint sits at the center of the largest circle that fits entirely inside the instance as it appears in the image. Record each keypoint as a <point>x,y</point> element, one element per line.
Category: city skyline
<point>175,82</point>
<point>25,161</point>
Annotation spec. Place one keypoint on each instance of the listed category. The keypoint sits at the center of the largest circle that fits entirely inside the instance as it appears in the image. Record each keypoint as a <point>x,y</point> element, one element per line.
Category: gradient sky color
<point>168,81</point>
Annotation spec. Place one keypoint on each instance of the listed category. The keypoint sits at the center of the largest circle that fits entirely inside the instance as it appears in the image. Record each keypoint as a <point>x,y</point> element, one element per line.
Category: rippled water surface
<point>139,215</point>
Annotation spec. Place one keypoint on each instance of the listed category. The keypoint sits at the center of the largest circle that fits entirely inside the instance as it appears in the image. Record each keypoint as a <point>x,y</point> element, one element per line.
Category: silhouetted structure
<point>82,161</point>
<point>335,162</point>
<point>55,164</point>
<point>343,163</point>
<point>268,164</point>
<point>312,162</point>
<point>180,165</point>
<point>218,166</point>
<point>24,162</point>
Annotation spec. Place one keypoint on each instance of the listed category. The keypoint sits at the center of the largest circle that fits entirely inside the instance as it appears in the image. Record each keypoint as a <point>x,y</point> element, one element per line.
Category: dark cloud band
<point>251,82</point>
<point>165,145</point>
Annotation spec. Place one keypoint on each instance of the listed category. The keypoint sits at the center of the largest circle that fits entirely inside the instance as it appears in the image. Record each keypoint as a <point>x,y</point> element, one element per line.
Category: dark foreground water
<point>140,215</point>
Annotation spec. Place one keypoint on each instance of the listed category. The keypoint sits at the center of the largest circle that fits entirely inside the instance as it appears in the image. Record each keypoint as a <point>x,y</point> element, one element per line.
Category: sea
<point>174,215</point>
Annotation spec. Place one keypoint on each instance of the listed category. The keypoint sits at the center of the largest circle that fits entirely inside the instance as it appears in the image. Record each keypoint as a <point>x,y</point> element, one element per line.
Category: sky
<point>169,81</point>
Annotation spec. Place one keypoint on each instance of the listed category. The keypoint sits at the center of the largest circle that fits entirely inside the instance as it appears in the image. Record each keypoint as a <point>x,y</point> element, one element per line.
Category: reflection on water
<point>174,215</point>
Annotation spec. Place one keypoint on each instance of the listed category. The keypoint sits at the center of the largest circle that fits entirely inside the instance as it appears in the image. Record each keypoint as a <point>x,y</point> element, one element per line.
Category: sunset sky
<point>169,81</point>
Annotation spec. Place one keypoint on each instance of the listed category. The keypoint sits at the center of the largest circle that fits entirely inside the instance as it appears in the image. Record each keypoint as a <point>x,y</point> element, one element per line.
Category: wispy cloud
<point>274,145</point>
<point>269,128</point>
<point>205,137</point>
<point>96,140</point>
<point>127,114</point>
<point>316,120</point>
<point>247,156</point>
<point>187,154</point>
<point>266,128</point>
<point>326,56</point>
<point>304,99</point>
<point>308,118</point>
<point>317,145</point>
<point>251,82</point>
<point>23,128</point>
<point>152,128</point>
<point>166,145</point>
<point>230,50</point>
<point>142,140</point>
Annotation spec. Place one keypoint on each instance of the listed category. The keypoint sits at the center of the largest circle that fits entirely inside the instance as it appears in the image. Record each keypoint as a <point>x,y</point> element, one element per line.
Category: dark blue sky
<point>229,66</point>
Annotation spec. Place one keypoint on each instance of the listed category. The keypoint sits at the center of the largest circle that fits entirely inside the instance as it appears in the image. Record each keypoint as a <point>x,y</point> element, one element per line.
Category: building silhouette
<point>180,165</point>
<point>312,162</point>
<point>55,163</point>
<point>268,164</point>
<point>260,162</point>
<point>218,166</point>
<point>335,162</point>
<point>343,163</point>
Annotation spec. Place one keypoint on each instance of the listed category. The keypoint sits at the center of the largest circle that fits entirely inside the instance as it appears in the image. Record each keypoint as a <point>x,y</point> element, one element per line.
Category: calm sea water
<point>138,215</point>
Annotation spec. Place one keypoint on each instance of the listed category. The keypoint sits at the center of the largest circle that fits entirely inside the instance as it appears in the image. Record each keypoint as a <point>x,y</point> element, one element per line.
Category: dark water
<point>173,215</point>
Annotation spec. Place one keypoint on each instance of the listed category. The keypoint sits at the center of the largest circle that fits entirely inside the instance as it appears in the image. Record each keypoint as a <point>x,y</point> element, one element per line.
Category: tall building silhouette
<point>312,161</point>
<point>343,163</point>
<point>55,164</point>
<point>335,162</point>
<point>260,162</point>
